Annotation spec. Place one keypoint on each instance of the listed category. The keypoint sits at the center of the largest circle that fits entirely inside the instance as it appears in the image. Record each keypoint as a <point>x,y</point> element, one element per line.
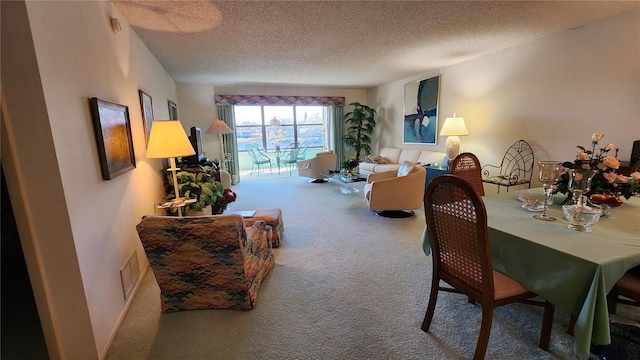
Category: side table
<point>433,172</point>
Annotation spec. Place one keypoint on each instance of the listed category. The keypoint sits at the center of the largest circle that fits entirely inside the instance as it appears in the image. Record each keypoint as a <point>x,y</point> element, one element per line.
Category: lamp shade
<point>219,127</point>
<point>454,126</point>
<point>168,140</point>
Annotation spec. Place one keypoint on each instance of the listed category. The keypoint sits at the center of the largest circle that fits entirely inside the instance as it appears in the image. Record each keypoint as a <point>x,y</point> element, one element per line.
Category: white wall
<point>93,219</point>
<point>554,92</point>
<point>196,107</point>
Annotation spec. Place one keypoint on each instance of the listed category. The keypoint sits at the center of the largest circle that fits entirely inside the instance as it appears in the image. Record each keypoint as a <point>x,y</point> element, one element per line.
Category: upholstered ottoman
<point>272,217</point>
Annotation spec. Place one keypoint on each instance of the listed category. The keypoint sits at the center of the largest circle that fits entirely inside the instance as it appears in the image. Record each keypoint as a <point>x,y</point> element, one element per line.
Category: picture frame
<point>113,137</point>
<point>147,114</point>
<point>421,100</point>
<point>173,110</point>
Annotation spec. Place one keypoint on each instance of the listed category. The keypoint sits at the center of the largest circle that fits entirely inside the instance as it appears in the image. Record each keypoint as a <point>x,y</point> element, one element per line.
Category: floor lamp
<point>169,140</point>
<point>220,127</point>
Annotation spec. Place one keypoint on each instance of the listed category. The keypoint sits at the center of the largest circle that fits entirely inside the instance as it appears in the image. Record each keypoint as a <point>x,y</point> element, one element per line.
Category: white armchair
<point>392,192</point>
<point>318,166</point>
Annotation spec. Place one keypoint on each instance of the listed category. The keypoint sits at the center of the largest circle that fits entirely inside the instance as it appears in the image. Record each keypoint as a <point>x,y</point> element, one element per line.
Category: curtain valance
<point>278,100</point>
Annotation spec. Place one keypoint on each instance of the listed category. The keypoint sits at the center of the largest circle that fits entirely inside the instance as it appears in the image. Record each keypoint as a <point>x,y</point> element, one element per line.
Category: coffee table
<point>348,184</point>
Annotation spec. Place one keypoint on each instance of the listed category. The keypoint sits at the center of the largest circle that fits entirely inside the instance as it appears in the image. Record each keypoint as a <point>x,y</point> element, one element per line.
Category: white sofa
<point>391,158</point>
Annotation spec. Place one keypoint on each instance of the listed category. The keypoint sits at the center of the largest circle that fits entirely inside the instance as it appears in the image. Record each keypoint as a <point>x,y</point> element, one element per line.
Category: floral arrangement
<point>606,180</point>
<point>221,203</point>
<point>350,163</point>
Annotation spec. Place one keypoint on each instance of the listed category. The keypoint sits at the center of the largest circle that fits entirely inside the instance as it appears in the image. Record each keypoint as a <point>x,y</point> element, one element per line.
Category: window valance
<point>278,100</point>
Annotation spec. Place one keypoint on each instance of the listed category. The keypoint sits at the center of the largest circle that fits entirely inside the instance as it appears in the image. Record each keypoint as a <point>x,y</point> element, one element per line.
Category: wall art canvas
<point>147,114</point>
<point>173,110</point>
<point>421,111</point>
<point>113,137</point>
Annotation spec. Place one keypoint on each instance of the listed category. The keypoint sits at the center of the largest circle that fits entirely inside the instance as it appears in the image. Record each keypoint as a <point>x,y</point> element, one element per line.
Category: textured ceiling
<point>353,44</point>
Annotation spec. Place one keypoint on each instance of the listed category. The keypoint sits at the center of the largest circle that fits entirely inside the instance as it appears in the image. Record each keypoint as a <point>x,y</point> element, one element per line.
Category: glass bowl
<point>581,218</point>
<point>533,199</point>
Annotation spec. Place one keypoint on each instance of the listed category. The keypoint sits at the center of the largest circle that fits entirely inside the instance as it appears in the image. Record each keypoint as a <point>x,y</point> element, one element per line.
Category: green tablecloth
<point>571,269</point>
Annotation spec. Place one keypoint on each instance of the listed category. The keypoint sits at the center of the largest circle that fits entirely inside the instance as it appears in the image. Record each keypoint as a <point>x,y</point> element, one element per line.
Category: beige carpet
<point>347,285</point>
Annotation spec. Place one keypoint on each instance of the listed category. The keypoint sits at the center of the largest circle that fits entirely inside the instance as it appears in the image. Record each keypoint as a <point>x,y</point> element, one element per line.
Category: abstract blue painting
<point>421,111</point>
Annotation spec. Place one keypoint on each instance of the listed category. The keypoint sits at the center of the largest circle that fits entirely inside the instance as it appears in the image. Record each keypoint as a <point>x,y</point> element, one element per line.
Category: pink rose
<point>581,155</point>
<point>610,176</point>
<point>622,178</point>
<point>595,138</point>
<point>610,147</point>
<point>562,170</point>
<point>611,162</point>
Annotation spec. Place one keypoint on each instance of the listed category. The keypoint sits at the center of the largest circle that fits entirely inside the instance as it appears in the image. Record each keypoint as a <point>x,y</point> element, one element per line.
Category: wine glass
<point>549,174</point>
<point>580,183</point>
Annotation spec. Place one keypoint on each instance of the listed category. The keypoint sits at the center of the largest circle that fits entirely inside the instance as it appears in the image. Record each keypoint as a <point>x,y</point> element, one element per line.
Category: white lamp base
<point>453,147</point>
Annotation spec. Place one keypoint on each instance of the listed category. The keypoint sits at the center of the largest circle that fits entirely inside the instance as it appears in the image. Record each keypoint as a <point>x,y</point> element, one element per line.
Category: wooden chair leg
<point>612,301</point>
<point>431,308</point>
<point>572,324</point>
<point>485,331</point>
<point>547,324</point>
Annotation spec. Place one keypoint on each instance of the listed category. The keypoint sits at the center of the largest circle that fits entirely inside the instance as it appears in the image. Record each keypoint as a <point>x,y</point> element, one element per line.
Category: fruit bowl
<point>605,199</point>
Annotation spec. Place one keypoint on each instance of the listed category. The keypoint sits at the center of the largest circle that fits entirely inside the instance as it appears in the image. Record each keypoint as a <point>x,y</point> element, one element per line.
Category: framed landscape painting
<point>147,114</point>
<point>113,136</point>
<point>421,111</point>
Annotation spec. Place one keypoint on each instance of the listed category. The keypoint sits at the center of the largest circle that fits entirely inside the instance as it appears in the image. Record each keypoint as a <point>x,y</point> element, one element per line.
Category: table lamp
<point>220,127</point>
<point>169,140</point>
<point>453,127</point>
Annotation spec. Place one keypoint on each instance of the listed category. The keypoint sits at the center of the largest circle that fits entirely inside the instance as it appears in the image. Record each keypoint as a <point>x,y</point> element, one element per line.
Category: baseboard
<point>103,352</point>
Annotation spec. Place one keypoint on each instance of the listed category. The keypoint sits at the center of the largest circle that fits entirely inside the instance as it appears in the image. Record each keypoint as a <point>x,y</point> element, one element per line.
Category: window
<point>255,124</point>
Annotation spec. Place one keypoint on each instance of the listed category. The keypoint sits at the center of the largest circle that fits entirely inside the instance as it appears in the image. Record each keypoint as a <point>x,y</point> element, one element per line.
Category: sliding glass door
<point>271,126</point>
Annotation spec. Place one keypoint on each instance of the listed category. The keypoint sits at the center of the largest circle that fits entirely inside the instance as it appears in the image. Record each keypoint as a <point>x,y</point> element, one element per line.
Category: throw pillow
<point>407,168</point>
<point>368,159</point>
<point>375,159</point>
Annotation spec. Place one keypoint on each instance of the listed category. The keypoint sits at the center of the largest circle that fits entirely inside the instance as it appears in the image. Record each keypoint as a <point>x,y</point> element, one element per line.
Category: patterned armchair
<point>206,262</point>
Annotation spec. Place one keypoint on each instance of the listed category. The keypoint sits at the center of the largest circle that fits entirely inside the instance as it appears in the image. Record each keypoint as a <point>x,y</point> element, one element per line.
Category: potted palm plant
<point>361,123</point>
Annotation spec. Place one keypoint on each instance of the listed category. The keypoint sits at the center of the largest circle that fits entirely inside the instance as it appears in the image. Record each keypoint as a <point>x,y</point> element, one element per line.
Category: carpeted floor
<point>348,284</point>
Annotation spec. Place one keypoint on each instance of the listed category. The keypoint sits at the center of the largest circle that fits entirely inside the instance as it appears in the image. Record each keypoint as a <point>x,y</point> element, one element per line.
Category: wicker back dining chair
<point>457,225</point>
<point>625,291</point>
<point>467,167</point>
<point>515,169</point>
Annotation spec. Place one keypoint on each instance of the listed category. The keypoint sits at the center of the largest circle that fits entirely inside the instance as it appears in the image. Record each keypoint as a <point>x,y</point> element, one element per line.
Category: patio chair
<point>258,157</point>
<point>515,169</point>
<point>289,156</point>
<point>467,167</point>
<point>303,150</point>
<point>458,233</point>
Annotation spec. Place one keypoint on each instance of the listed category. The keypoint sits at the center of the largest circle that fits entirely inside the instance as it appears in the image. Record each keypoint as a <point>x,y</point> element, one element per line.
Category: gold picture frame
<point>113,136</point>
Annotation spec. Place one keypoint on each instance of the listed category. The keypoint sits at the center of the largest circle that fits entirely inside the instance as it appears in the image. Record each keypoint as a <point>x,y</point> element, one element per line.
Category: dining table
<point>574,270</point>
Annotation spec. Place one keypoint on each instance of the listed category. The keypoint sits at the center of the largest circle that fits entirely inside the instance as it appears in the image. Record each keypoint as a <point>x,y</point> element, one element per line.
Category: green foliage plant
<point>194,183</point>
<point>361,123</point>
<point>350,163</point>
